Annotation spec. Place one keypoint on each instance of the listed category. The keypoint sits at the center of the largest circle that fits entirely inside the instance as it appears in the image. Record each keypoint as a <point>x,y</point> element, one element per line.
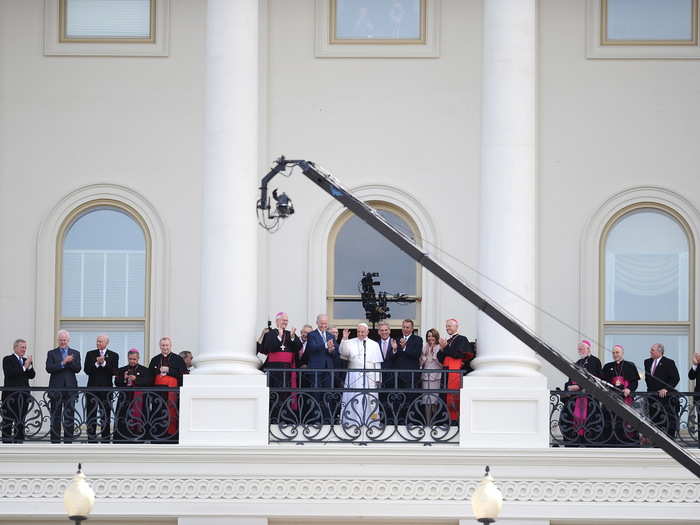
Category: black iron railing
<point>92,415</point>
<point>578,420</point>
<point>364,406</point>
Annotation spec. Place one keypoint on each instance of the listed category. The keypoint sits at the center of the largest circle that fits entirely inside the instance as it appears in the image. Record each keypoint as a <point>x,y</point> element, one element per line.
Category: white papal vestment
<point>358,407</point>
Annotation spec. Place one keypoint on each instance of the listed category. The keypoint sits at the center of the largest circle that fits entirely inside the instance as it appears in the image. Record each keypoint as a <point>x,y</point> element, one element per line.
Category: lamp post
<point>487,500</point>
<point>78,498</point>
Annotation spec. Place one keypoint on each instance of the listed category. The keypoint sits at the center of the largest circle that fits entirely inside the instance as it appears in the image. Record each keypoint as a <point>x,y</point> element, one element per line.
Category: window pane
<point>637,346</point>
<point>358,248</point>
<point>378,19</point>
<point>104,266</point>
<point>119,341</point>
<point>108,19</point>
<point>647,269</point>
<point>650,20</point>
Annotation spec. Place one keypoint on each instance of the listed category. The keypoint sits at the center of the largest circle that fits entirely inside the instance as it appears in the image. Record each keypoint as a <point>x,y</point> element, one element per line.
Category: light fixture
<point>487,500</point>
<point>78,498</point>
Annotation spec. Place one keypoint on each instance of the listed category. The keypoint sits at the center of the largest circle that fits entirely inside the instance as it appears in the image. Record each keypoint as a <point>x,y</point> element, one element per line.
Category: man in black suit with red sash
<point>18,370</point>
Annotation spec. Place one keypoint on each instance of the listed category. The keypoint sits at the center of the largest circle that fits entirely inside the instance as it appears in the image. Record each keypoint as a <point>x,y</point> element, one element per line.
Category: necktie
<point>653,368</point>
<point>323,334</point>
<point>21,361</point>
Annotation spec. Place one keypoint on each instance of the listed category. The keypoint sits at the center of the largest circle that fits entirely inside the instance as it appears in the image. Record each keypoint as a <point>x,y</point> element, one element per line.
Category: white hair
<point>105,336</point>
<point>363,324</point>
<point>63,332</point>
<point>318,317</point>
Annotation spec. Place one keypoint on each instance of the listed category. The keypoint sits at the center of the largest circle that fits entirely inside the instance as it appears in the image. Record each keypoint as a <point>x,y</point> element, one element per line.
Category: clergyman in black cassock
<point>623,375</point>
<point>578,406</point>
<point>18,370</point>
<point>132,405</point>
<point>167,369</point>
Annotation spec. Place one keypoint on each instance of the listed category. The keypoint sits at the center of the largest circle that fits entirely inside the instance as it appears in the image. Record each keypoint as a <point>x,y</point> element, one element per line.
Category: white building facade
<point>541,149</point>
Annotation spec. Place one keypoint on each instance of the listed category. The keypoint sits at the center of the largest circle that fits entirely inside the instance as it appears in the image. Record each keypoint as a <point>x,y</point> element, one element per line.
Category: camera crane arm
<point>594,386</point>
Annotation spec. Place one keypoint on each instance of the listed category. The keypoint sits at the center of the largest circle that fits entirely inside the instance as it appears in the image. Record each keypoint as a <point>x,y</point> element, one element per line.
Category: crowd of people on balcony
<point>661,376</point>
<point>101,366</point>
<point>326,359</point>
<point>315,361</point>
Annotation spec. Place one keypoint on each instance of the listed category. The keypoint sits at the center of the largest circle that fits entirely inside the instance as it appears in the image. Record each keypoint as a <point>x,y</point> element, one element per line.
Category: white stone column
<point>225,400</point>
<point>505,391</point>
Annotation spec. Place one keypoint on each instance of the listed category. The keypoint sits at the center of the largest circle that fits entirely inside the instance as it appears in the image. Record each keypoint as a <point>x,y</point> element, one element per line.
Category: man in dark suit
<point>661,376</point>
<point>404,355</point>
<point>132,405</point>
<point>322,354</point>
<point>100,366</point>
<point>62,363</point>
<point>693,375</point>
<point>18,371</point>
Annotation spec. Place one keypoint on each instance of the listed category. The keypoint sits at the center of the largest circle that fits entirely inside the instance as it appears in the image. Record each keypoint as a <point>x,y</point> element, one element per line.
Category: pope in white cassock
<point>358,407</point>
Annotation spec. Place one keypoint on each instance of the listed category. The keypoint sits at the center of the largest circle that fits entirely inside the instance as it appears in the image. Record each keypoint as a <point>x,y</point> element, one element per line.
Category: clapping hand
<point>442,342</point>
<point>68,359</point>
<point>346,334</point>
<point>330,345</point>
<point>402,342</point>
<point>294,332</point>
<point>696,358</point>
<point>100,359</point>
<point>394,346</point>
<point>28,362</point>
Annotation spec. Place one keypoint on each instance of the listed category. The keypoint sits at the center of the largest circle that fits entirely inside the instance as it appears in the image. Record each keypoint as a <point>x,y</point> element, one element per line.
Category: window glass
<point>104,266</point>
<point>654,20</point>
<point>647,269</point>
<point>108,19</point>
<point>378,19</point>
<point>358,248</point>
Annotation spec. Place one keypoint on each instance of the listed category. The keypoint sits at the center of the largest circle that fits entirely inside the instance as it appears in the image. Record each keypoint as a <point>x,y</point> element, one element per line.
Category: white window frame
<point>652,326</point>
<point>56,45</point>
<point>100,324</point>
<point>427,47</point>
<point>598,48</point>
<point>394,323</point>
<point>45,320</point>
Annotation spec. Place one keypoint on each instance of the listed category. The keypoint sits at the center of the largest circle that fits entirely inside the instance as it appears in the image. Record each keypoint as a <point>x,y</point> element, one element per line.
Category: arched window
<point>354,248</point>
<point>646,284</point>
<point>103,277</point>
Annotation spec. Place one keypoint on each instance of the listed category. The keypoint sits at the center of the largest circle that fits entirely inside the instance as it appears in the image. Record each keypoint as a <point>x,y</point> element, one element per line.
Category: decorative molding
<point>317,255</point>
<point>46,260</point>
<point>335,489</point>
<point>589,248</point>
